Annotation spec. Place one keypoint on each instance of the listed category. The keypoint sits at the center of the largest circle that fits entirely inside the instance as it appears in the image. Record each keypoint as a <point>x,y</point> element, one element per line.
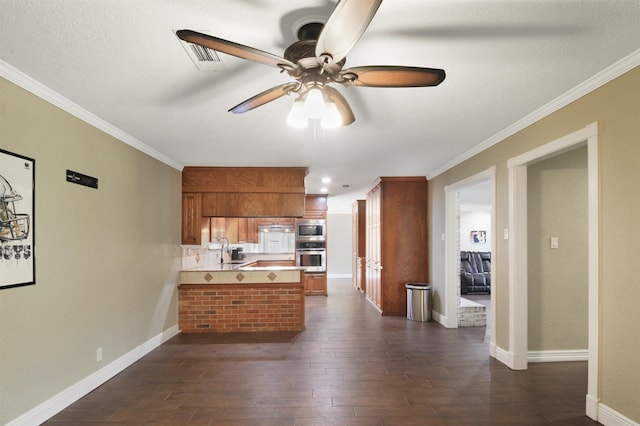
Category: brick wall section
<point>472,314</point>
<point>243,307</point>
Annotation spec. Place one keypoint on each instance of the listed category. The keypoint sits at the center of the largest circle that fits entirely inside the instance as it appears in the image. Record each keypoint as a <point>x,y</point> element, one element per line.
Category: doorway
<point>517,356</point>
<point>475,194</point>
<point>475,239</point>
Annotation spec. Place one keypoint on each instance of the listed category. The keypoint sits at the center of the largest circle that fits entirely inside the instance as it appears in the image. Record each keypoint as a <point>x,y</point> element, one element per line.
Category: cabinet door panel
<point>315,284</point>
<point>243,229</point>
<point>231,229</point>
<point>191,218</point>
<point>252,204</point>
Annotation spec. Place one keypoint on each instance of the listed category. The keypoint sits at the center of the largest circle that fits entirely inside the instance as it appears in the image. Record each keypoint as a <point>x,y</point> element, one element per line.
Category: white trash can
<point>418,302</point>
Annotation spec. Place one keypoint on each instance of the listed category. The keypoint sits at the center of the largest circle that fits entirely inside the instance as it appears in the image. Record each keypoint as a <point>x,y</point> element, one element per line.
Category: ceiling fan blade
<point>345,26</point>
<point>234,49</point>
<point>263,98</point>
<point>396,76</point>
<point>341,103</point>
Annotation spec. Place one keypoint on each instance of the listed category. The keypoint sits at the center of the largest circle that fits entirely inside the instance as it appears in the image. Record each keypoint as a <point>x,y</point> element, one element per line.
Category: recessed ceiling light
<point>326,179</point>
<point>324,190</point>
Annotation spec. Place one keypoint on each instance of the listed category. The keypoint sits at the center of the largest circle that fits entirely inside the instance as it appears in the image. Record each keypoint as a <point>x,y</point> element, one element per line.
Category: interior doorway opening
<point>517,356</point>
<point>475,235</point>
<point>474,195</point>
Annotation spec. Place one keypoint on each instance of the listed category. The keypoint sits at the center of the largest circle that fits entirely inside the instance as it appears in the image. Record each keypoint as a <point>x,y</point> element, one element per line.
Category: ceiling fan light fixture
<point>331,118</point>
<point>297,116</point>
<point>314,104</point>
<point>315,62</point>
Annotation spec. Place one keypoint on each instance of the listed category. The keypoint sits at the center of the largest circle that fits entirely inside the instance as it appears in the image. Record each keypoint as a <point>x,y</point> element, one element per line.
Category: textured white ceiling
<point>505,59</point>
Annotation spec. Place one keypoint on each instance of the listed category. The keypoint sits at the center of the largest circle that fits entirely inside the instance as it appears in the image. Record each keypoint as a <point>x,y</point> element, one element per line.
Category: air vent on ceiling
<point>204,59</point>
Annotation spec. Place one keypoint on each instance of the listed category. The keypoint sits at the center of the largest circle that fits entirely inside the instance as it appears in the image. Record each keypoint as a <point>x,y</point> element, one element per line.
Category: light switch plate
<point>554,242</point>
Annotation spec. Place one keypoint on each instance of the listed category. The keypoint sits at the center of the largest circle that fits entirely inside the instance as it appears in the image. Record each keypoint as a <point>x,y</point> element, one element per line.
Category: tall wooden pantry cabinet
<point>397,244</point>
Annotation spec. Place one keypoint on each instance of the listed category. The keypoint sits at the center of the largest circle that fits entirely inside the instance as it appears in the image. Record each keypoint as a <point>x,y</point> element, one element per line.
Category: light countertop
<point>241,274</point>
<point>240,266</point>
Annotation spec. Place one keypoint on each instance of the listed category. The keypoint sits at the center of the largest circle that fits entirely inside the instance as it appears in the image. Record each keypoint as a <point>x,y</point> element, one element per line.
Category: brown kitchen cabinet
<point>396,241</point>
<point>241,193</point>
<point>247,191</point>
<point>191,218</point>
<point>315,284</point>
<point>358,239</point>
<point>315,206</point>
<point>243,231</point>
<point>218,227</point>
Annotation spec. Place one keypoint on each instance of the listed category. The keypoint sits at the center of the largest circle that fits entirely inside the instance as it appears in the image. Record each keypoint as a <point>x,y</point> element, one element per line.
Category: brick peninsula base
<point>253,300</point>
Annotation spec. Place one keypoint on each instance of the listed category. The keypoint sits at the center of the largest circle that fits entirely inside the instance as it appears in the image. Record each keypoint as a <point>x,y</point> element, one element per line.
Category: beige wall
<point>616,108</point>
<point>106,260</point>
<point>558,278</point>
<point>339,244</point>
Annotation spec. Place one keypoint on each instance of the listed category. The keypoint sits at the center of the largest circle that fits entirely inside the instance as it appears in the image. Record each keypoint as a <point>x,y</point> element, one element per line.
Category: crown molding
<point>617,69</point>
<point>24,81</point>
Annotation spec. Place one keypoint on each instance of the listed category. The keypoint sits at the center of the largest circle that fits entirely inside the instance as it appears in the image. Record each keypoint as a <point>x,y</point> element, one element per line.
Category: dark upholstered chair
<point>475,272</point>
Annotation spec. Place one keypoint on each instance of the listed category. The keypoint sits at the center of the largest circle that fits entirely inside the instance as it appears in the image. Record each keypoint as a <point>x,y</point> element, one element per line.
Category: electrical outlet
<point>98,354</point>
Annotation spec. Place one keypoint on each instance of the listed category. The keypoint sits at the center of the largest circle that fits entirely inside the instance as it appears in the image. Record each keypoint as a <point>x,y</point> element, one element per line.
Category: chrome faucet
<point>222,248</point>
<point>221,240</point>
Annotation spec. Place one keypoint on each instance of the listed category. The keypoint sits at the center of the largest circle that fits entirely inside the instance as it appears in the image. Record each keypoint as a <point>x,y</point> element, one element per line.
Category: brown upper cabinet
<point>315,206</point>
<point>247,191</point>
<point>191,218</point>
<point>241,192</point>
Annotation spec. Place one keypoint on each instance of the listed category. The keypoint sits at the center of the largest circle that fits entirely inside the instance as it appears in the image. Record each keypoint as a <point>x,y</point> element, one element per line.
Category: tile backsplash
<point>198,256</point>
<point>209,254</point>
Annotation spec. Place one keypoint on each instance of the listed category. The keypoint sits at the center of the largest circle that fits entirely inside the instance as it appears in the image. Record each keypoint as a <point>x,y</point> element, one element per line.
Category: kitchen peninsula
<point>239,257</point>
<point>244,297</point>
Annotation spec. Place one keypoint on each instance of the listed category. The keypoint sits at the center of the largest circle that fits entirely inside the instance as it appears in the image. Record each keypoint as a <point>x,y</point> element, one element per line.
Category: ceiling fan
<point>315,62</point>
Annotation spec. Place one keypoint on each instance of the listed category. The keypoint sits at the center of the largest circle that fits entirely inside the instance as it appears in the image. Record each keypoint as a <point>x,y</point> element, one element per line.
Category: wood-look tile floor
<point>350,367</point>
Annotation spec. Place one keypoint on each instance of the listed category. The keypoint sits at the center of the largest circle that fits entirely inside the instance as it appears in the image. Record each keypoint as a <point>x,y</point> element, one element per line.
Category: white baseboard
<point>599,412</point>
<point>59,402</point>
<point>591,407</point>
<point>505,357</point>
<point>438,317</point>
<point>508,358</point>
<point>609,417</point>
<point>558,356</point>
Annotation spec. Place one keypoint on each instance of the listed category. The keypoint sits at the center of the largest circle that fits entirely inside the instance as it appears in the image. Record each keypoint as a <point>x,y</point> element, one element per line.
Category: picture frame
<point>478,237</point>
<point>17,213</point>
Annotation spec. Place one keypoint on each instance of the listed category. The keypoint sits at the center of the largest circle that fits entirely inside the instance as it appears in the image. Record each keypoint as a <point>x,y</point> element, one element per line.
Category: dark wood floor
<point>350,367</point>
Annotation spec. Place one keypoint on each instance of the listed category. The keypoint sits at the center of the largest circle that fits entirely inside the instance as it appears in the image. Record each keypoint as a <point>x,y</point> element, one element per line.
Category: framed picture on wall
<point>17,209</point>
<point>478,237</point>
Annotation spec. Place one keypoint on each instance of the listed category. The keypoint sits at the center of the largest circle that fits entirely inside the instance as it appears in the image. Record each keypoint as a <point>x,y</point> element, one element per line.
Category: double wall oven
<point>311,248</point>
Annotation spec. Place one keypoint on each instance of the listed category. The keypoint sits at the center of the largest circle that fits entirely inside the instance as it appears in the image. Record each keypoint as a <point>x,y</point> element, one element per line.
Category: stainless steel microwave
<point>311,230</point>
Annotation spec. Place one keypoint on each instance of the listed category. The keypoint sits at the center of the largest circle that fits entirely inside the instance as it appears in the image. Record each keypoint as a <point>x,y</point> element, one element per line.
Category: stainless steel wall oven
<point>311,255</point>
